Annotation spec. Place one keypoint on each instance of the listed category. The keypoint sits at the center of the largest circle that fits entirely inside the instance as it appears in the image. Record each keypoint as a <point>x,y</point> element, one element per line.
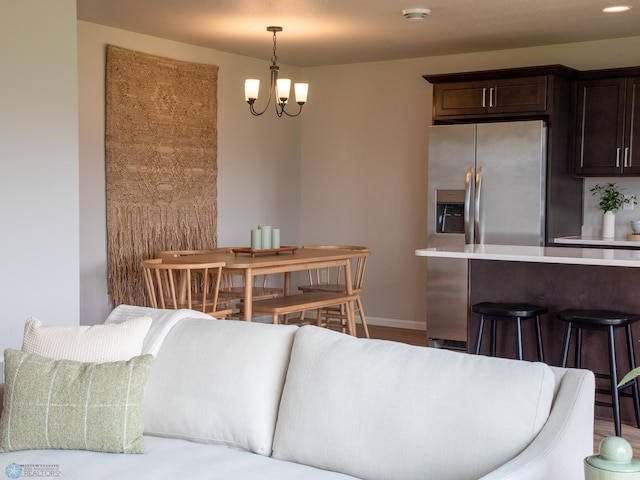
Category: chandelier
<point>279,88</point>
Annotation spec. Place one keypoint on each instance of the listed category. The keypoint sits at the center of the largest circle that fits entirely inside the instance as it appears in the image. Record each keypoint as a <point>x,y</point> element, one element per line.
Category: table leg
<point>287,283</point>
<point>248,294</point>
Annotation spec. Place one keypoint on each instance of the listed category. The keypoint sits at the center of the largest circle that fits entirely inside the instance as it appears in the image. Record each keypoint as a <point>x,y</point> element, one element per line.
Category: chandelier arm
<point>290,114</point>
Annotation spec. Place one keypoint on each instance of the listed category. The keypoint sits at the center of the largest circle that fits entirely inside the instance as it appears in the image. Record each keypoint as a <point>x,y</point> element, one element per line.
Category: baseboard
<point>396,323</point>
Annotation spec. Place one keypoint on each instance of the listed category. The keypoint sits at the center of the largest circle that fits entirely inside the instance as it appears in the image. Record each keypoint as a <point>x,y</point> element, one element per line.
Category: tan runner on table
<point>161,163</point>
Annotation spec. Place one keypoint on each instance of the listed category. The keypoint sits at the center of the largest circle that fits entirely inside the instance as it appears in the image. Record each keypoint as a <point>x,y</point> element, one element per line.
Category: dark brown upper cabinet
<point>514,95</point>
<point>495,94</point>
<point>608,124</point>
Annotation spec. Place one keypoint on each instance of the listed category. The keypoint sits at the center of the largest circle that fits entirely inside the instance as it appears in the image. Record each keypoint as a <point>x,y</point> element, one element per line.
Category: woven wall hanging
<point>161,163</point>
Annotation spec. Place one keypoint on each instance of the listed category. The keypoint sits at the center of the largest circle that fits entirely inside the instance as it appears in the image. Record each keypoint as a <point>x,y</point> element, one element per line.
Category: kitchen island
<point>555,277</point>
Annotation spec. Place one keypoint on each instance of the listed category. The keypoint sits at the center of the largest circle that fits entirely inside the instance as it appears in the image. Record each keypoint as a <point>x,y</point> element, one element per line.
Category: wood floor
<point>603,427</point>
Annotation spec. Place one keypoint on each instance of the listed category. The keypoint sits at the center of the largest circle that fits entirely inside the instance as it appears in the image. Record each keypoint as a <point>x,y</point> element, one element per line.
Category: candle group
<point>265,238</point>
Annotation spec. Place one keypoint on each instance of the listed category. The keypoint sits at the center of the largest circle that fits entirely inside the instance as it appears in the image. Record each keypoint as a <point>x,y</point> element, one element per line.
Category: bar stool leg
<point>578,361</point>
<point>632,365</point>
<point>493,337</point>
<point>519,337</point>
<point>480,329</point>
<point>615,398</point>
<point>539,337</point>
<point>565,348</point>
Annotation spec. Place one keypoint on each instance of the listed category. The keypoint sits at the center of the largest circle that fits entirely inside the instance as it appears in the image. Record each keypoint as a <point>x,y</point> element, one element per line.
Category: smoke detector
<point>415,13</point>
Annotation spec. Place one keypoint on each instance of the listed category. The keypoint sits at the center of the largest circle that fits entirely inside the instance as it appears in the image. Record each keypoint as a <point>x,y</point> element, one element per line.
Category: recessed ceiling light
<point>617,9</point>
<point>415,13</point>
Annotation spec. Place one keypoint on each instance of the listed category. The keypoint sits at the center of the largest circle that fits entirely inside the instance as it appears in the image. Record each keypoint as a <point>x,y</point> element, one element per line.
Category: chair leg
<point>362,319</point>
<point>615,397</point>
<point>565,347</point>
<point>539,337</point>
<point>632,365</point>
<point>351,320</point>
<point>519,337</point>
<point>479,337</point>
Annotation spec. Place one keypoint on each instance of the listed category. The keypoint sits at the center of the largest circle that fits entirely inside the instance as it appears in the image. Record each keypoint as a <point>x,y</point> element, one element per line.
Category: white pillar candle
<point>266,236</point>
<point>256,239</point>
<point>275,238</point>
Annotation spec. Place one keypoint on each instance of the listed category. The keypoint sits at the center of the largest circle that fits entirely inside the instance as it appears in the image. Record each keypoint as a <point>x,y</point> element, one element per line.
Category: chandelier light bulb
<point>251,89</point>
<point>284,87</point>
<point>301,90</point>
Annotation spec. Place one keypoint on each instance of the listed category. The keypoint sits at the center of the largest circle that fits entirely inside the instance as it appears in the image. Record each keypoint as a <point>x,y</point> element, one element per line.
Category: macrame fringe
<point>137,233</point>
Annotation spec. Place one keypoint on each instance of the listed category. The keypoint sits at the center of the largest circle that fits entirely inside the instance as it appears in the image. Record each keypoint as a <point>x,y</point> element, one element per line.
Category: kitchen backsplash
<point>592,215</point>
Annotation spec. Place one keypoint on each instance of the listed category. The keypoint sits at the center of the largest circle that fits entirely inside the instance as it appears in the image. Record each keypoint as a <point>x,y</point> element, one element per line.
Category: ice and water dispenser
<point>449,211</point>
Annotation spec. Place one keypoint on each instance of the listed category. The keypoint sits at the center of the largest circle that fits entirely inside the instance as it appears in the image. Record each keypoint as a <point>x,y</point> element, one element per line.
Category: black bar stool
<point>608,321</point>
<point>514,312</point>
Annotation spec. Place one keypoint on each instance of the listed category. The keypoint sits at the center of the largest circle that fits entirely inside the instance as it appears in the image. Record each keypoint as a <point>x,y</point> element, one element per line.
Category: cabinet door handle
<point>627,160</point>
<point>491,97</point>
<point>484,98</point>
<point>617,157</point>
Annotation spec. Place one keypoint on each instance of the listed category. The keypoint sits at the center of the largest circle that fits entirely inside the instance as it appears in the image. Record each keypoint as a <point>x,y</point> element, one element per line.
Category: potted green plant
<point>611,200</point>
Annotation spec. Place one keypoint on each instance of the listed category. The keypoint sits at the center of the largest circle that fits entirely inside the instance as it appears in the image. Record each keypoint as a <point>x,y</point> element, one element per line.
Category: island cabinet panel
<point>608,127</point>
<point>493,97</point>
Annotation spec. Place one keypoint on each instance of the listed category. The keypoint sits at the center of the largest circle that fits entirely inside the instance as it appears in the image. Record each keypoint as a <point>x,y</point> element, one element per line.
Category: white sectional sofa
<point>234,400</point>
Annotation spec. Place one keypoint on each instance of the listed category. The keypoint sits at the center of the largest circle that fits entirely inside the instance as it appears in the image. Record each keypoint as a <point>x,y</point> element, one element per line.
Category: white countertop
<point>597,241</point>
<point>514,253</point>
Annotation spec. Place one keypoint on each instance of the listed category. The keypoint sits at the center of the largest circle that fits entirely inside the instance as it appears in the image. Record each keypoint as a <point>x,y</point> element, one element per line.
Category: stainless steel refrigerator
<point>486,184</point>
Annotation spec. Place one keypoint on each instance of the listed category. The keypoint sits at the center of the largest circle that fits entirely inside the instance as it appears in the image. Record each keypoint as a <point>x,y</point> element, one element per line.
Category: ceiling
<point>327,32</point>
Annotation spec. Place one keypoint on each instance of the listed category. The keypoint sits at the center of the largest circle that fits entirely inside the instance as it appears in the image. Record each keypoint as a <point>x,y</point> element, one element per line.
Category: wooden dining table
<point>286,262</point>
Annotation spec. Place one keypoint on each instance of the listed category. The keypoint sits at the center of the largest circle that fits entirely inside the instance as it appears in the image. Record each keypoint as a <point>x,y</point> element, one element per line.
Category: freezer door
<point>510,183</point>
<point>451,155</point>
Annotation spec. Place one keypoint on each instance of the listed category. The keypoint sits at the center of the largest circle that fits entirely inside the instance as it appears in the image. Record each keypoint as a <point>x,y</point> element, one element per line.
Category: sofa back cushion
<point>219,382</point>
<point>383,410</point>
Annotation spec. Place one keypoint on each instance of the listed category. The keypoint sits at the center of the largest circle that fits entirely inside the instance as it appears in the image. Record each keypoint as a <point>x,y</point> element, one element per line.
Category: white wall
<point>258,157</point>
<point>38,165</point>
<point>364,177</point>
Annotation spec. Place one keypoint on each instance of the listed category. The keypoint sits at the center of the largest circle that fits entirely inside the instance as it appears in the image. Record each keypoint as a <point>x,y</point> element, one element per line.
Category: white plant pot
<point>608,225</point>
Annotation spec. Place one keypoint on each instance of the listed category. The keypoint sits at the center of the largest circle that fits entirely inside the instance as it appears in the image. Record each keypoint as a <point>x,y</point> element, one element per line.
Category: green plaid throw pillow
<point>73,405</point>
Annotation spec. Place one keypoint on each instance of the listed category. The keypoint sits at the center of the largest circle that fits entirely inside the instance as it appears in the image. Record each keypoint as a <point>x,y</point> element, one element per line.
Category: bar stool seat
<point>608,321</point>
<point>513,312</point>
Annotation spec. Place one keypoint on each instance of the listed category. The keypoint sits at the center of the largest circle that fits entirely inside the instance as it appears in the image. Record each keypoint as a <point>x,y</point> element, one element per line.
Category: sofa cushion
<point>63,404</point>
<point>165,459</point>
<point>95,343</point>
<point>382,410</point>
<point>220,382</point>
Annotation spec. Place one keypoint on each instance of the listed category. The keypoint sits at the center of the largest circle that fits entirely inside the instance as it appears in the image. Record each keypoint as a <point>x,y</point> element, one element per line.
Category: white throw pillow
<point>95,343</point>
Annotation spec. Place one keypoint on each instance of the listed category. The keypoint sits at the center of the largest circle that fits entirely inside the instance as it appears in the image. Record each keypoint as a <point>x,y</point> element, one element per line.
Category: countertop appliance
<point>486,184</point>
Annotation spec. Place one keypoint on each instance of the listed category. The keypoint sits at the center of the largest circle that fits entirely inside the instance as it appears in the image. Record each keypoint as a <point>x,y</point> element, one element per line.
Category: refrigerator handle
<point>476,206</point>
<point>468,237</point>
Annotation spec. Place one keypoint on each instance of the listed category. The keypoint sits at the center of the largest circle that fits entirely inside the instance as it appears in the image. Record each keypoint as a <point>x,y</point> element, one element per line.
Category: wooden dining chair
<point>185,285</point>
<point>232,283</point>
<point>332,279</point>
